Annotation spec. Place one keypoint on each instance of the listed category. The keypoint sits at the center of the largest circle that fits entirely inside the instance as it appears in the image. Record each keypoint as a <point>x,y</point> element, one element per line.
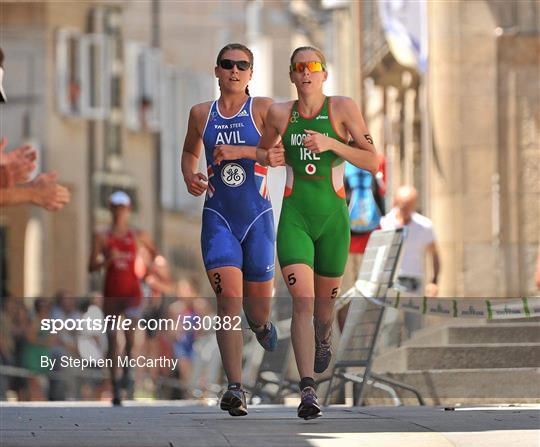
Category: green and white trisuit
<point>314,222</point>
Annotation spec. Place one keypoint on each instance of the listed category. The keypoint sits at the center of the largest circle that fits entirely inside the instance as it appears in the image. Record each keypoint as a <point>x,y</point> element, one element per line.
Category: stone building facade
<point>480,182</point>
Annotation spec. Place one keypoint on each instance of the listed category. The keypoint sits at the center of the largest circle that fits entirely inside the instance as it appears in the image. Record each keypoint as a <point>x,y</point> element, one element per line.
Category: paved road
<point>174,425</point>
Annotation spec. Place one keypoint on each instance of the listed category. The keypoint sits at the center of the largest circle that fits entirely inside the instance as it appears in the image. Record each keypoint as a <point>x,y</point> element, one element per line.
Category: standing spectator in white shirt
<point>419,241</point>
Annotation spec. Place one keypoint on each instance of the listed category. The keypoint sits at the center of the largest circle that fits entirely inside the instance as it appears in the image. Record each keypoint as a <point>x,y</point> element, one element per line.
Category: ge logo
<point>233,175</point>
<point>294,117</point>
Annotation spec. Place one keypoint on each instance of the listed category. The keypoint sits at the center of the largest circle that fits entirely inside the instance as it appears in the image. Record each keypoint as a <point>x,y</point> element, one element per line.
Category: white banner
<point>487,308</point>
<point>405,27</point>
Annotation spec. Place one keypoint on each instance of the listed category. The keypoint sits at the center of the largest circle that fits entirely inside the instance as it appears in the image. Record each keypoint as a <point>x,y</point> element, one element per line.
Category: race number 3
<point>217,282</point>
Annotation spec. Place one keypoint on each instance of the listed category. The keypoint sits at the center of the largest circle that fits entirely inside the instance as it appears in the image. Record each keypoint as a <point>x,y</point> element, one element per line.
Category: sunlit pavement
<point>170,424</point>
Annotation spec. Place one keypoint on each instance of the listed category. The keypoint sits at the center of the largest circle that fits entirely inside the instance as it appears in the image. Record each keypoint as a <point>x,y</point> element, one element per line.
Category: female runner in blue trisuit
<point>238,235</point>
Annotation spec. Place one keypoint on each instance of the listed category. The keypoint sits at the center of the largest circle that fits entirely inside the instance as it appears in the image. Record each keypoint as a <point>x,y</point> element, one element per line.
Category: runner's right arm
<point>196,182</point>
<point>96,253</point>
<point>98,256</point>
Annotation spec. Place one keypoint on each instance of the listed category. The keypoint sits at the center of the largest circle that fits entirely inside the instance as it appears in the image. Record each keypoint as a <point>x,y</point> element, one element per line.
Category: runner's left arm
<point>362,154</point>
<point>270,151</point>
<point>234,152</point>
<point>145,239</point>
<point>224,152</point>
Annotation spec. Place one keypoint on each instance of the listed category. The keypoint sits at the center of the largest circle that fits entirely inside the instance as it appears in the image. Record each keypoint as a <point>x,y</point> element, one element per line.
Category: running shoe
<point>116,400</point>
<point>309,407</point>
<point>128,383</point>
<point>323,353</point>
<point>267,338</point>
<point>234,401</point>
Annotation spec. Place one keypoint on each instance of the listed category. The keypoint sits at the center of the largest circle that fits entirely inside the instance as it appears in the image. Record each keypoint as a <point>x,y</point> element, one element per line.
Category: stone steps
<point>492,333</point>
<point>502,355</point>
<point>466,356</point>
<point>466,362</point>
<point>451,386</point>
<point>463,333</point>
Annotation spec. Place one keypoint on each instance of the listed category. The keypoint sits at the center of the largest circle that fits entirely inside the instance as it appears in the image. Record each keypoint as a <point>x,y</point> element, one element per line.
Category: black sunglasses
<point>228,64</point>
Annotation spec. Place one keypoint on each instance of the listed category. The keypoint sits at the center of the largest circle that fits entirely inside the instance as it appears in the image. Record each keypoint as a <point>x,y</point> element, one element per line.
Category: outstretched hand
<point>48,193</point>
<point>17,164</point>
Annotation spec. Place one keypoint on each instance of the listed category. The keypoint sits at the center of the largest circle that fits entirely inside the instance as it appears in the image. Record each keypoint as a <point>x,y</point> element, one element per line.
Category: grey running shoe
<point>267,338</point>
<point>234,401</point>
<point>323,353</point>
<point>309,407</point>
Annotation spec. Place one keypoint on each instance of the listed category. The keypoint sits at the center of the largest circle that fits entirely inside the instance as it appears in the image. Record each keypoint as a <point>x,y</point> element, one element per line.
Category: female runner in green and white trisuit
<point>313,235</point>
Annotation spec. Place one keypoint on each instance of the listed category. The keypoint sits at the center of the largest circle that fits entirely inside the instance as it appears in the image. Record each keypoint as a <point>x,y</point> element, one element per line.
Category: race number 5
<point>291,279</point>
